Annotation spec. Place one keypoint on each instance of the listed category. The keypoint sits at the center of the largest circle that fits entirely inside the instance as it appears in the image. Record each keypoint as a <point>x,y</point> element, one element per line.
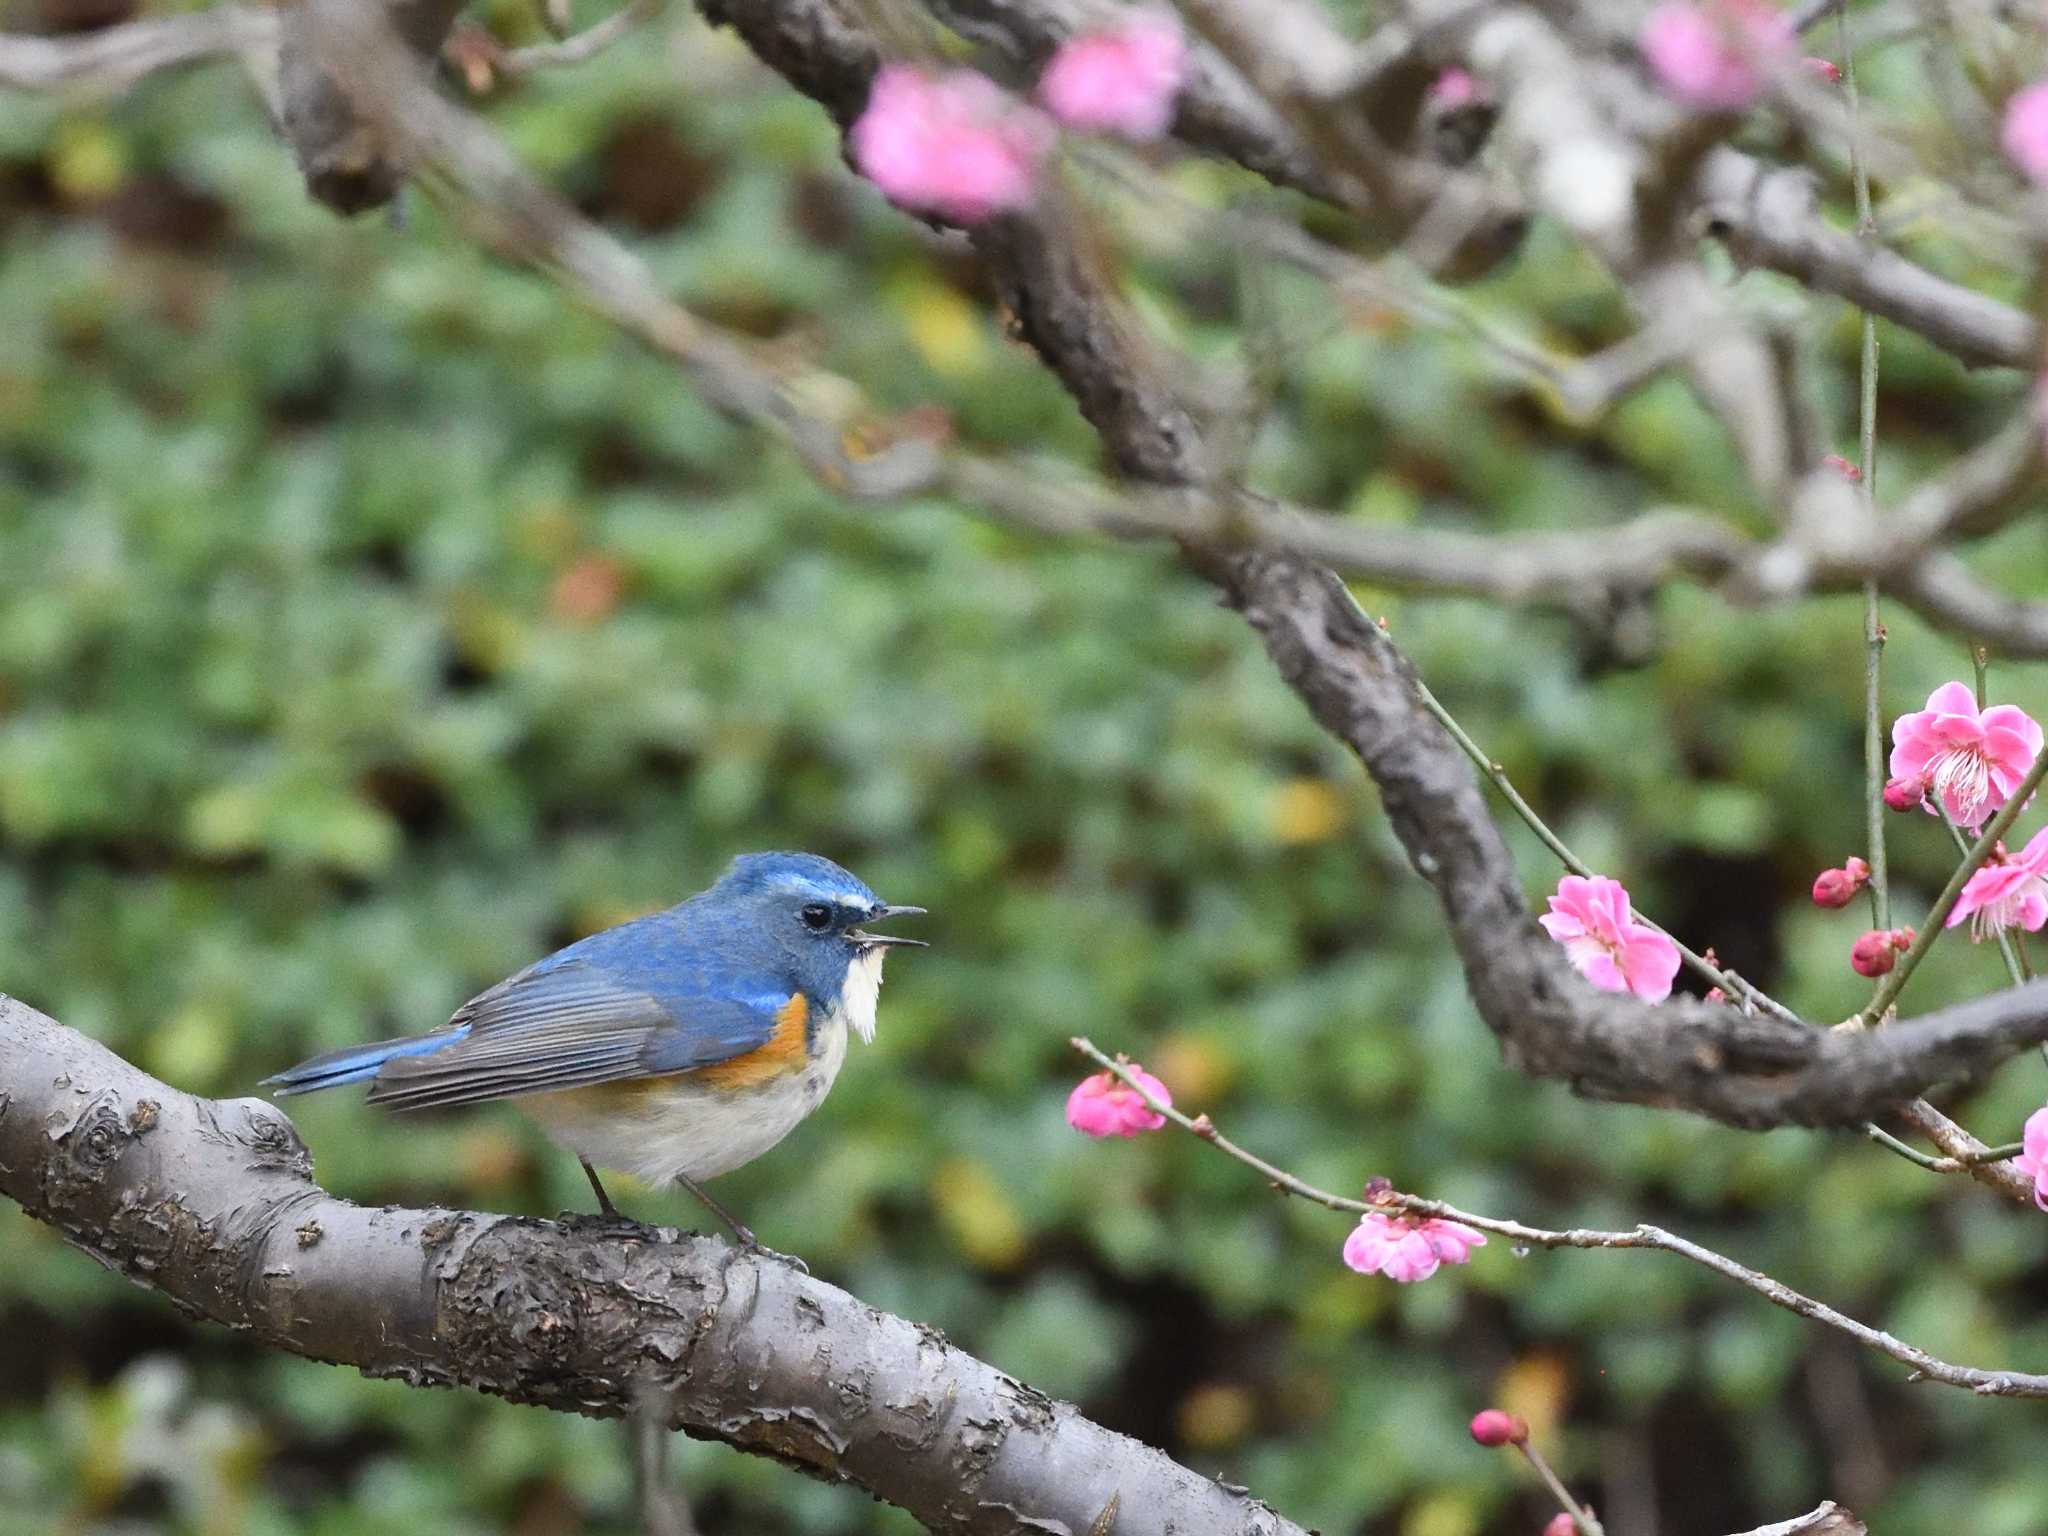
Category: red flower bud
<point>1838,887</point>
<point>1904,794</point>
<point>1902,939</point>
<point>1834,888</point>
<point>1830,71</point>
<point>1874,953</point>
<point>1491,1426</point>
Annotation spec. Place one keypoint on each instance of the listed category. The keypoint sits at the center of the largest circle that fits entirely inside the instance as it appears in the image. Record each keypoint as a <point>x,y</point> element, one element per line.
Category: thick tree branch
<point>349,164</point>
<point>1753,1071</point>
<point>1771,216</point>
<point>213,1204</point>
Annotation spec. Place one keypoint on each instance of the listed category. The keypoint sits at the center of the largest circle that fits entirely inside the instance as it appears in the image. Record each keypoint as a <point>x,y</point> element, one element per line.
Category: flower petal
<point>1953,699</point>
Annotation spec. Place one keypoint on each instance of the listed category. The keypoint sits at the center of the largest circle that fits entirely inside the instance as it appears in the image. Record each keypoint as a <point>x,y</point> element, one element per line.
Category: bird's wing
<point>571,1024</point>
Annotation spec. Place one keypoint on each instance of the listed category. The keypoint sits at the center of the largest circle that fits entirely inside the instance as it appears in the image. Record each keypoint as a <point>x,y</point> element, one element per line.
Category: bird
<point>675,1047</point>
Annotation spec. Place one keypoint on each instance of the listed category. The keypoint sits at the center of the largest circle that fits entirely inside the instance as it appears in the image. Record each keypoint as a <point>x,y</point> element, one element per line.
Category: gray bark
<point>213,1204</point>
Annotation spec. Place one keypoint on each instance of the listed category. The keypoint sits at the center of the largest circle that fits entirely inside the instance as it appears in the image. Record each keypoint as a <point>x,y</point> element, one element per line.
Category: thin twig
<point>1583,1519</point>
<point>112,59</point>
<point>1728,981</point>
<point>1922,1365</point>
<point>581,46</point>
<point>1866,488</point>
<point>2006,952</point>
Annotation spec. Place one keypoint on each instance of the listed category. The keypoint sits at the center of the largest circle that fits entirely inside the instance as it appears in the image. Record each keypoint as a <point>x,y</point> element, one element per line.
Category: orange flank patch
<point>785,1052</point>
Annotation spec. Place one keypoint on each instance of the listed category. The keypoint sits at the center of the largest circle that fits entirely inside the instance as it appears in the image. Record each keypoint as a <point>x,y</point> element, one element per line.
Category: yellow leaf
<point>1196,1069</point>
<point>1440,1514</point>
<point>87,161</point>
<point>978,1213</point>
<point>1307,811</point>
<point>1216,1415</point>
<point>946,330</point>
<point>1536,1387</point>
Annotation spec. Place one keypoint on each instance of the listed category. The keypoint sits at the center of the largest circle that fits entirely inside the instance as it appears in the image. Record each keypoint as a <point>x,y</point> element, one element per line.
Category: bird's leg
<point>740,1230</point>
<point>609,1215</point>
<point>604,1201</point>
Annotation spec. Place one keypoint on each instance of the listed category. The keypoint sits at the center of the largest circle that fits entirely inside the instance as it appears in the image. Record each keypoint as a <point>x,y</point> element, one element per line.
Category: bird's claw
<point>610,1224</point>
<point>753,1248</point>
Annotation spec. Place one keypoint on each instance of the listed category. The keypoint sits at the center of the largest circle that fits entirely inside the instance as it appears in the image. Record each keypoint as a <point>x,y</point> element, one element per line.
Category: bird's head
<point>816,913</point>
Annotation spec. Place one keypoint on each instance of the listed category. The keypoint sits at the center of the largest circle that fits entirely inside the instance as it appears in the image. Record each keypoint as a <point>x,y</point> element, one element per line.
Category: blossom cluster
<point>958,145</point>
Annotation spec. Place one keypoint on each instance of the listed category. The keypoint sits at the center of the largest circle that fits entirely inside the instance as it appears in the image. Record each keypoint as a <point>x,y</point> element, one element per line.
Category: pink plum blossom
<point>1121,80</point>
<point>1103,1105</point>
<point>1590,917</point>
<point>2033,1158</point>
<point>1714,54</point>
<point>1973,760</point>
<point>956,145</point>
<point>2011,893</point>
<point>1408,1248</point>
<point>2025,134</point>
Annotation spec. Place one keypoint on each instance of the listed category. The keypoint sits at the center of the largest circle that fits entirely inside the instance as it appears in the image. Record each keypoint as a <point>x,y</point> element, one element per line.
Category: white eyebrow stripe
<point>839,899</point>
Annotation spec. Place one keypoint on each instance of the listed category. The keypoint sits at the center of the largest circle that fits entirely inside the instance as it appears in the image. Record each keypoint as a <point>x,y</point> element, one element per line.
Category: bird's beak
<point>890,940</point>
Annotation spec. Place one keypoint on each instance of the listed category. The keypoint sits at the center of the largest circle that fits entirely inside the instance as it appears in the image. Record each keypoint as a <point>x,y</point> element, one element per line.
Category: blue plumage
<point>760,976</point>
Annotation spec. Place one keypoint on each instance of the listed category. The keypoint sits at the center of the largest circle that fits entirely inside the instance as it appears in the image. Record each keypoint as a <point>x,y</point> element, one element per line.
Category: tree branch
<point>1986,1383</point>
<point>114,58</point>
<point>213,1204</point>
<point>1771,216</point>
<point>349,164</point>
<point>1748,1070</point>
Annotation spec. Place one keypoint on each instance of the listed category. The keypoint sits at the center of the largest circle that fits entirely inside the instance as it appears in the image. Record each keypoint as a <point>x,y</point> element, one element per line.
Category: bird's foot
<point>754,1248</point>
<point>611,1223</point>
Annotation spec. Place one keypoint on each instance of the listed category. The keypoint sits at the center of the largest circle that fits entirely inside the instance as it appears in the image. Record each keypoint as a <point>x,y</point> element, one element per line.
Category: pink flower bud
<point>1838,887</point>
<point>1103,1105</point>
<point>955,144</point>
<point>1715,995</point>
<point>1842,467</point>
<point>1873,954</point>
<point>1833,888</point>
<point>1830,71</point>
<point>2025,134</point>
<point>1121,81</point>
<point>1902,939</point>
<point>1491,1426</point>
<point>1904,794</point>
<point>1561,1524</point>
<point>1456,88</point>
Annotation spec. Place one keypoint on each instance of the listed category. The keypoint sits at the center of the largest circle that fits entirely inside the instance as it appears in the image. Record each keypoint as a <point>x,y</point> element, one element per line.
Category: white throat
<point>860,991</point>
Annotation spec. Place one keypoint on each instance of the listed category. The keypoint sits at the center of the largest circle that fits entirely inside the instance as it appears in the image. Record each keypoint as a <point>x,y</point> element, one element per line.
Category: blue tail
<point>356,1063</point>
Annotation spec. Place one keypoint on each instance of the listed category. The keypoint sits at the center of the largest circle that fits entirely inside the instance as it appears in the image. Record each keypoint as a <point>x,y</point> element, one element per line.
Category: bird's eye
<point>817,917</point>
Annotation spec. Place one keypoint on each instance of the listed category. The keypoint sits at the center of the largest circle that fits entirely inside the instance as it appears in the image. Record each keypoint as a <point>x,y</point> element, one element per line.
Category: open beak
<point>889,940</point>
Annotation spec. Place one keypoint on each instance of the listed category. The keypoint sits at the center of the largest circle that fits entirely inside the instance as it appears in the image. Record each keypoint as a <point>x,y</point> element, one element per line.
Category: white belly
<point>663,1127</point>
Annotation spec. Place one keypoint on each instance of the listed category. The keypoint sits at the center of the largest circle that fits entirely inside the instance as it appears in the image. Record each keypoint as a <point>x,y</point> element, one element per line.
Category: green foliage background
<point>374,621</point>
